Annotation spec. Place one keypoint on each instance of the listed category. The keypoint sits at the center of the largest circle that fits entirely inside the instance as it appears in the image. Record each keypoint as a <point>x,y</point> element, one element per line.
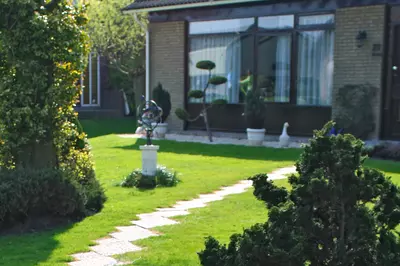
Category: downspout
<point>145,28</point>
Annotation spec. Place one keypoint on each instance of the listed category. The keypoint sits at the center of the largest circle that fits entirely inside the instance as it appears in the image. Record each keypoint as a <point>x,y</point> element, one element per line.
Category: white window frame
<point>90,104</point>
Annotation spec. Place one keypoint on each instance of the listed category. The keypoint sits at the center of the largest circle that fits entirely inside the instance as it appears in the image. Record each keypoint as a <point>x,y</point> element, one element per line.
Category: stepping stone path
<point>119,242</point>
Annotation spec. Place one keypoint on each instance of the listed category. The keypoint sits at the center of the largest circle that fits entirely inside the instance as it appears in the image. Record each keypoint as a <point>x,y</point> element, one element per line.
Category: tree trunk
<point>207,125</point>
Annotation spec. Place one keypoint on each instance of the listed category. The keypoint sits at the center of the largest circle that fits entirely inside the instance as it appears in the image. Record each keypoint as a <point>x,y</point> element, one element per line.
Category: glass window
<point>233,56</point>
<point>221,26</point>
<point>316,20</point>
<point>274,59</point>
<point>315,68</point>
<point>276,22</point>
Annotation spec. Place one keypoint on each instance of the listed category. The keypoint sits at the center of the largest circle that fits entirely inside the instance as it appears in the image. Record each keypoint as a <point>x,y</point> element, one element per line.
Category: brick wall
<point>167,53</point>
<point>357,65</point>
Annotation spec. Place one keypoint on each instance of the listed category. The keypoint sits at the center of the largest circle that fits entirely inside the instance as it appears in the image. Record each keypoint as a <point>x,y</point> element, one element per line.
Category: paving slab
<point>132,233</point>
<point>154,222</point>
<point>186,205</point>
<point>92,259</point>
<point>113,246</point>
<point>211,198</point>
<point>168,214</point>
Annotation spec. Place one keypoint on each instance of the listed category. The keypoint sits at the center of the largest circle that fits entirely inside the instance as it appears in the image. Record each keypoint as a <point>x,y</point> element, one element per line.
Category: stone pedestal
<point>149,159</point>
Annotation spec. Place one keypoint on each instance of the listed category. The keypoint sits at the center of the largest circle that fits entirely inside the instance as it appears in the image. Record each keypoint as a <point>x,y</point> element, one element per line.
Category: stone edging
<point>119,242</point>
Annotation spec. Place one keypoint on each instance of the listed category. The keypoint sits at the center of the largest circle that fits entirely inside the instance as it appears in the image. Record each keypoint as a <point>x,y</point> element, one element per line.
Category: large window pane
<point>90,81</point>
<point>233,56</point>
<point>274,67</point>
<point>316,20</point>
<point>276,22</point>
<point>221,26</point>
<point>315,68</point>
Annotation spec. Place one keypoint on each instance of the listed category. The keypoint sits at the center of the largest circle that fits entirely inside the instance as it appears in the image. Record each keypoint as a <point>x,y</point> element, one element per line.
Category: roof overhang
<point>187,6</point>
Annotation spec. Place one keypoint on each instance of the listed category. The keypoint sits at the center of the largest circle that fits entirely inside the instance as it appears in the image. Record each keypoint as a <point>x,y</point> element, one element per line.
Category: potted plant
<point>163,99</point>
<point>254,112</point>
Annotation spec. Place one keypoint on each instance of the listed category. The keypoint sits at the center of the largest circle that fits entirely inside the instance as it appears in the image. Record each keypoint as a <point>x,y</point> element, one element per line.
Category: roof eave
<point>186,6</point>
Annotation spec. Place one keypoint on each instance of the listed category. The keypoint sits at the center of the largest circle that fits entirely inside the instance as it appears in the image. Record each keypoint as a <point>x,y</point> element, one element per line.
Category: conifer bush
<point>338,212</point>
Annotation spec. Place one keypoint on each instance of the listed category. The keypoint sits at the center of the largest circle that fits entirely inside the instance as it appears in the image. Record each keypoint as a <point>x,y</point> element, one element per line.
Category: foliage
<point>119,39</point>
<point>338,212</point>
<point>254,109</point>
<point>205,65</point>
<point>201,94</point>
<point>388,151</point>
<point>217,80</point>
<point>163,178</point>
<point>182,114</point>
<point>163,99</point>
<point>354,112</point>
<point>196,94</point>
<point>38,124</point>
<point>29,193</point>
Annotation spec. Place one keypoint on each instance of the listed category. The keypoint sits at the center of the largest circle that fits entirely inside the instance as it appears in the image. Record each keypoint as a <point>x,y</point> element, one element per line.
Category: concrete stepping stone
<point>113,246</point>
<point>154,222</point>
<point>210,198</point>
<point>132,233</point>
<point>166,214</point>
<point>186,205</point>
<point>92,259</point>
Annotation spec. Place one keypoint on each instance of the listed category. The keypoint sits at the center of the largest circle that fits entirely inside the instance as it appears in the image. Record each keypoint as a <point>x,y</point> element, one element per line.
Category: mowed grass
<point>179,244</point>
<point>203,169</point>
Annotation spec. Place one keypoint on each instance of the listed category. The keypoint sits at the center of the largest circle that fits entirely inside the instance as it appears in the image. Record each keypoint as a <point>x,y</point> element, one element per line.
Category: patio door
<point>392,99</point>
<point>90,82</point>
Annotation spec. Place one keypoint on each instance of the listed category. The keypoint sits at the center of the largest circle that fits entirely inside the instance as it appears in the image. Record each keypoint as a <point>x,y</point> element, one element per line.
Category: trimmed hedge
<point>28,193</point>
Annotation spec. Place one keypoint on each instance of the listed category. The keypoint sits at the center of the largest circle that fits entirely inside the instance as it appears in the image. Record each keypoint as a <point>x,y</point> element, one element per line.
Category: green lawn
<point>203,168</point>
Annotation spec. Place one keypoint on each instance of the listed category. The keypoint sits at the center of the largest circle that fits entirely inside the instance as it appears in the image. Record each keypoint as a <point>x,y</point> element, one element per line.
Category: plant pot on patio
<point>161,130</point>
<point>163,99</point>
<point>255,137</point>
<point>254,112</point>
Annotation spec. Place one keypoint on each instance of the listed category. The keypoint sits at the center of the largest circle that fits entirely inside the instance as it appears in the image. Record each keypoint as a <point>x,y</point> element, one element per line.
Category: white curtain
<point>282,71</point>
<point>315,68</point>
<point>225,52</point>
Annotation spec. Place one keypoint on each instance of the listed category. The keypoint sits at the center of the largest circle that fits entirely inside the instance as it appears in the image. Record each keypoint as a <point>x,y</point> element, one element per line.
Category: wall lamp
<point>361,37</point>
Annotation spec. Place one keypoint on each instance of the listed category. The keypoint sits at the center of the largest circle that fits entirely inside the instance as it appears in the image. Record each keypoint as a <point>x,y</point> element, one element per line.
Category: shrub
<point>254,109</point>
<point>29,194</point>
<point>163,178</point>
<point>163,99</point>
<point>338,212</point>
<point>201,95</point>
<point>354,109</point>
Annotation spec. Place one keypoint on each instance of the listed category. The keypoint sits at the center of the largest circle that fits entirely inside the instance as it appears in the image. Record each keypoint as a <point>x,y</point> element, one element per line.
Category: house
<point>300,52</point>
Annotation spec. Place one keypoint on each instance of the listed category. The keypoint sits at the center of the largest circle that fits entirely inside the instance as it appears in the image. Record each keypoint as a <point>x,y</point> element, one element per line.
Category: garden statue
<point>149,113</point>
<point>284,137</point>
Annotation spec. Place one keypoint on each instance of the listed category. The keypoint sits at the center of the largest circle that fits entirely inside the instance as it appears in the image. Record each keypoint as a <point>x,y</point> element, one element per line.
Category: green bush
<point>354,109</point>
<point>163,178</point>
<point>29,194</point>
<point>254,109</point>
<point>163,99</point>
<point>338,212</point>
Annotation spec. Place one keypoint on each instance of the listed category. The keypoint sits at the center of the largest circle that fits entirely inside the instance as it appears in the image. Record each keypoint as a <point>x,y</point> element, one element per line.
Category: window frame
<point>257,32</point>
<point>98,65</point>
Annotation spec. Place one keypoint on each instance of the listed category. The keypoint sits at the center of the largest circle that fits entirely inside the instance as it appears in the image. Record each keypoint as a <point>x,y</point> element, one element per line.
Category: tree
<point>120,39</point>
<point>201,94</point>
<point>42,55</point>
<point>338,213</point>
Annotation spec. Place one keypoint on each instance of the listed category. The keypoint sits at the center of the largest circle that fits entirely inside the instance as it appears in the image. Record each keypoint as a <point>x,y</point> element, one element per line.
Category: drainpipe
<point>145,28</point>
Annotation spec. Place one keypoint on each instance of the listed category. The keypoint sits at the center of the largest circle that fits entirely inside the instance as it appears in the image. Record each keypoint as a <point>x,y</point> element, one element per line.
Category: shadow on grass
<point>31,248</point>
<point>228,151</point>
<point>101,127</point>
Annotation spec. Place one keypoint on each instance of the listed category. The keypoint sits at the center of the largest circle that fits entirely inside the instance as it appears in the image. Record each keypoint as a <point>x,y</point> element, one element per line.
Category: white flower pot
<point>255,137</point>
<point>160,130</point>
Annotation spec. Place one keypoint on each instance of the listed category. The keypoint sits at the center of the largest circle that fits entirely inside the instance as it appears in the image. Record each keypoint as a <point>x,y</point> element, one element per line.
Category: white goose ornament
<point>284,138</point>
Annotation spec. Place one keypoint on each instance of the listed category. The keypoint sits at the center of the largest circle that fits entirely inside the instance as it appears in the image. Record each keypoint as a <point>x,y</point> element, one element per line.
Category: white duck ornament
<point>284,138</point>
